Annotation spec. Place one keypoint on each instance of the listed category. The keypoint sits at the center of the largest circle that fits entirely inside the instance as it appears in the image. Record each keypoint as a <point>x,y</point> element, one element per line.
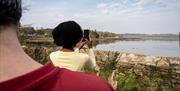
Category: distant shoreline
<point>168,37</point>
<point>137,38</point>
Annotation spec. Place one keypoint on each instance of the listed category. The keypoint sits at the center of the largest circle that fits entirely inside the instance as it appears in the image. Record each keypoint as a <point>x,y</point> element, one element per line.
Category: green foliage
<point>43,57</point>
<point>122,68</point>
<point>91,71</point>
<point>109,66</point>
<point>127,83</point>
<point>131,82</point>
<point>159,88</point>
<point>38,53</point>
<point>27,30</point>
<point>105,74</point>
<point>23,38</point>
<point>111,62</point>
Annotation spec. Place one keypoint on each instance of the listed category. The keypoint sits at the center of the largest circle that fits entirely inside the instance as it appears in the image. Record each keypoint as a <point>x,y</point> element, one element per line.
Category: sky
<point>118,16</point>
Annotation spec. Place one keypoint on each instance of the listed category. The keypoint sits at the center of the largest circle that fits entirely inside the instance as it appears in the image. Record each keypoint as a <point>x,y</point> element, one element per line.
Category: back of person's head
<point>67,34</point>
<point>10,12</point>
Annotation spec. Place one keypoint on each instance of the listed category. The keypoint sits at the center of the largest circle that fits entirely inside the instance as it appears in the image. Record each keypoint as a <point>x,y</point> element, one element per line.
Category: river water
<point>147,47</point>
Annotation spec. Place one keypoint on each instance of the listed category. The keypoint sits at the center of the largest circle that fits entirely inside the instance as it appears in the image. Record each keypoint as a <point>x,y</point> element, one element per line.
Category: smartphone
<point>86,34</point>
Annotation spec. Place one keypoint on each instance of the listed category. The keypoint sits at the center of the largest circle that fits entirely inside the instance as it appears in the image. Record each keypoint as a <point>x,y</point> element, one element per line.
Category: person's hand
<point>90,45</point>
<point>82,43</point>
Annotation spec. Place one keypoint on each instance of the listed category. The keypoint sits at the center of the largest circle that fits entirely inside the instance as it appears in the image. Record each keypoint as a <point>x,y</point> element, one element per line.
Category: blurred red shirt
<point>50,78</point>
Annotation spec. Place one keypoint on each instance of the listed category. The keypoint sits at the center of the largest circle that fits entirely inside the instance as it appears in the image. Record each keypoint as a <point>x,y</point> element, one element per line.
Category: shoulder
<point>51,78</point>
<point>82,55</point>
<point>83,82</point>
<point>53,54</point>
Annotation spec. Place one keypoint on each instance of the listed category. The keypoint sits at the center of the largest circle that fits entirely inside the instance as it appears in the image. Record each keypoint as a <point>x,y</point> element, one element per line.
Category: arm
<point>91,63</point>
<point>92,58</point>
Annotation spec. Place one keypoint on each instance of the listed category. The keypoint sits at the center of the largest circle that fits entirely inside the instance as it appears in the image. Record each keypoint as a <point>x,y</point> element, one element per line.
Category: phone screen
<point>86,34</point>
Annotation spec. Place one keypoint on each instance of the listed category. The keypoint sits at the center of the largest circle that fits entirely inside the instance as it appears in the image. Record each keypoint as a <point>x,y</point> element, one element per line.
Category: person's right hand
<point>82,43</point>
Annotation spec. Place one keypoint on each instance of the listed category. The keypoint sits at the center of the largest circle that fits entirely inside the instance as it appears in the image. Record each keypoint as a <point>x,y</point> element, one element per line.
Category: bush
<point>91,71</point>
<point>127,83</point>
<point>105,74</point>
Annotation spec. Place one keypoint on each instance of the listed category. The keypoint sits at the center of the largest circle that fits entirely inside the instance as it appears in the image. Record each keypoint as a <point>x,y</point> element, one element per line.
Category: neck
<point>13,60</point>
<point>9,44</point>
<point>67,49</point>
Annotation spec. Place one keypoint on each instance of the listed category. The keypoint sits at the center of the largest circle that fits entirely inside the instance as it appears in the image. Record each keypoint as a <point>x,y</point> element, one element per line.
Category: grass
<point>91,71</point>
<point>127,83</point>
<point>105,74</point>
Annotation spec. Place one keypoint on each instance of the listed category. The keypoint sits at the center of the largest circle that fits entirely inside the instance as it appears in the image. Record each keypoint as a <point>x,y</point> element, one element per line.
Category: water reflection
<point>104,41</point>
<point>111,41</point>
<point>147,47</point>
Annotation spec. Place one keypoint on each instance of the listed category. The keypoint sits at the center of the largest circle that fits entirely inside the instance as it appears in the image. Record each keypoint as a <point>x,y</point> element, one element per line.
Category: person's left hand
<point>90,45</point>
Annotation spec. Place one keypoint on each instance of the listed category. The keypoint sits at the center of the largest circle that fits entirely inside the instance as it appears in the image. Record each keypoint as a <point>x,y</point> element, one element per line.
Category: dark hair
<point>67,34</point>
<point>10,12</point>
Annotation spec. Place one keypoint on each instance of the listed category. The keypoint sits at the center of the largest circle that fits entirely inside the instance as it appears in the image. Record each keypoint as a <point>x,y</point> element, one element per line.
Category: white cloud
<point>143,6</point>
<point>84,15</point>
<point>101,5</point>
<point>121,16</point>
